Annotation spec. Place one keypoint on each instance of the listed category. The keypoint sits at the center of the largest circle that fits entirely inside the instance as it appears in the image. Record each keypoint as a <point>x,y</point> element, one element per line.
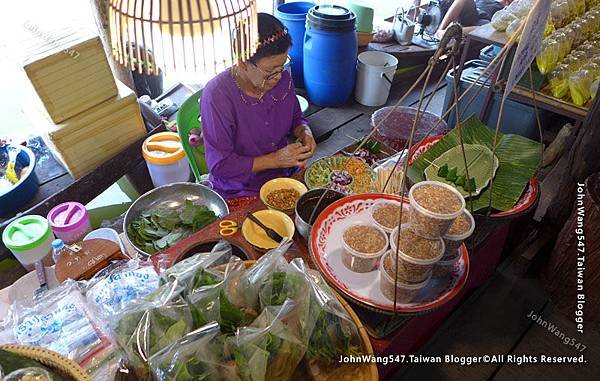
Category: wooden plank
<point>490,322</point>
<point>329,119</point>
<point>542,339</point>
<point>47,190</point>
<point>343,137</point>
<point>488,35</point>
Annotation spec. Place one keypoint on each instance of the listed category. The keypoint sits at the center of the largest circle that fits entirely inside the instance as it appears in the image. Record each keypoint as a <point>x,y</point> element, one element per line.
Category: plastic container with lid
<point>70,221</point>
<point>363,262</point>
<point>431,224</point>
<point>293,16</point>
<point>405,292</point>
<point>453,243</point>
<point>382,204</point>
<point>166,159</point>
<point>410,268</point>
<point>329,55</point>
<point>29,238</point>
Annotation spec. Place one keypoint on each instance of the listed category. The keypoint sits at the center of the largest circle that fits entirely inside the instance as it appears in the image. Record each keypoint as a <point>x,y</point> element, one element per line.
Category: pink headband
<point>273,38</point>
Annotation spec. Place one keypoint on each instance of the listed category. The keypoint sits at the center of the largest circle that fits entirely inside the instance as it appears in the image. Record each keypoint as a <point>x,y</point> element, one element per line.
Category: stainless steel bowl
<point>306,204</point>
<point>173,196</point>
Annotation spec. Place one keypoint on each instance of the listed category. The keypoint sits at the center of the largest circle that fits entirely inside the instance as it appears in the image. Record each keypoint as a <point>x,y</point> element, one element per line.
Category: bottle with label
<point>58,249</point>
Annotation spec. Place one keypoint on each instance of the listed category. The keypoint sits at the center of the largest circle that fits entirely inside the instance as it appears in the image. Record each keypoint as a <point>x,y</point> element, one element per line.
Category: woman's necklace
<point>235,75</point>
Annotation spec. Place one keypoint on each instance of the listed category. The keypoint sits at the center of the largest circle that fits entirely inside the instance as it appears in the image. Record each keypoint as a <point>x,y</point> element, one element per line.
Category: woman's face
<point>266,72</point>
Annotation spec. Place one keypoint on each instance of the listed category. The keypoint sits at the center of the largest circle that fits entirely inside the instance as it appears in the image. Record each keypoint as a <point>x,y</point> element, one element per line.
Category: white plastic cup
<point>420,268</point>
<point>405,292</point>
<point>444,267</point>
<point>429,224</point>
<point>362,262</point>
<point>374,79</point>
<point>452,243</point>
<point>380,204</point>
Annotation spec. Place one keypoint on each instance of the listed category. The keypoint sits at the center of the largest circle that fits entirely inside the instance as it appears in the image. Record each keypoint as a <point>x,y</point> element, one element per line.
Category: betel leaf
<point>518,160</point>
<point>443,171</point>
<point>158,229</point>
<point>481,164</point>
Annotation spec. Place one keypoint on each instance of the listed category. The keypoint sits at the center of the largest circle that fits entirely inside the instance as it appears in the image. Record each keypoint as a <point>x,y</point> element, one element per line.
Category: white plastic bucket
<point>375,75</point>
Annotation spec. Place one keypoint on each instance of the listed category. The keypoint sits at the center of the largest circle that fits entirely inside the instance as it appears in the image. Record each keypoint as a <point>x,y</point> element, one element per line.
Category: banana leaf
<point>518,157</point>
<point>480,160</point>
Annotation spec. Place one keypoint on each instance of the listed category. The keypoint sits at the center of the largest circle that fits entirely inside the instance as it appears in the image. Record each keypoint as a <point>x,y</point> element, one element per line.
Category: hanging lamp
<point>182,35</point>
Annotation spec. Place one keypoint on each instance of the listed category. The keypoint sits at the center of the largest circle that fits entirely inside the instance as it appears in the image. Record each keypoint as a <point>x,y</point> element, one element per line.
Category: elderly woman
<point>249,112</point>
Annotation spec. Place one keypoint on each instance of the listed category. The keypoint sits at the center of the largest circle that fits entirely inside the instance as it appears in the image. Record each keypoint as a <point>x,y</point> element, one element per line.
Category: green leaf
<point>443,171</point>
<point>480,160</point>
<point>451,176</point>
<point>518,160</point>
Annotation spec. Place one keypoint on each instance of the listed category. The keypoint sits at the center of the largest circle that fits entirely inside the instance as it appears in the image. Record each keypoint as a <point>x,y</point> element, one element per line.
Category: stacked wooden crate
<point>86,117</point>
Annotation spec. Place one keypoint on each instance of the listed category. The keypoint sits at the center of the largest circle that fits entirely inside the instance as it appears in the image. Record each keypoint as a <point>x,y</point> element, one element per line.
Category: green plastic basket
<point>187,119</point>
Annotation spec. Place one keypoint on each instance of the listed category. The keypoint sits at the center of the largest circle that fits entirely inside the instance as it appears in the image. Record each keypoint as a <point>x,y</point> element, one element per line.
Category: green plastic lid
<point>26,233</point>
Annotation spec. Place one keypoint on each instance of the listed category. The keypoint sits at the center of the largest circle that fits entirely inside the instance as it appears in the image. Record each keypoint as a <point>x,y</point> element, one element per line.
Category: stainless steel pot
<point>307,203</point>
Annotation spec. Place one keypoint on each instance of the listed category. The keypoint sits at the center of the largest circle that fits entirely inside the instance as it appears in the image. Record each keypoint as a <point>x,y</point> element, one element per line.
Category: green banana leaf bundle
<point>518,159</point>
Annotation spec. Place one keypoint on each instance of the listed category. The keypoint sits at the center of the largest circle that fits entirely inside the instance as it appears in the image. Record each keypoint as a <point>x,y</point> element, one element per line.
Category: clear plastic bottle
<point>58,248</point>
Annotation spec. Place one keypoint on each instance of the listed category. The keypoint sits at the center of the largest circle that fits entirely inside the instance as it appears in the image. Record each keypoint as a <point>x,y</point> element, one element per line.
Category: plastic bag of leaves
<point>333,332</point>
<point>208,299</point>
<point>184,271</point>
<point>270,349</point>
<point>244,291</point>
<point>151,323</point>
<point>199,355</point>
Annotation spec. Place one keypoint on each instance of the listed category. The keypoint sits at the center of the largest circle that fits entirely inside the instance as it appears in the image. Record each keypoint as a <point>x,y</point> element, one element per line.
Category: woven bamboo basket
<point>348,372</point>
<point>68,70</point>
<point>66,368</point>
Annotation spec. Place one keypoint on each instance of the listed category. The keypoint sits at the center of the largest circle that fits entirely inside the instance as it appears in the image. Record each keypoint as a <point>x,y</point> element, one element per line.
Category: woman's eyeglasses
<point>269,75</point>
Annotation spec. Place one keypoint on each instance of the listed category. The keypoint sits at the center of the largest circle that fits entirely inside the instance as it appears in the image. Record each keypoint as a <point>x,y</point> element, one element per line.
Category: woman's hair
<point>272,36</point>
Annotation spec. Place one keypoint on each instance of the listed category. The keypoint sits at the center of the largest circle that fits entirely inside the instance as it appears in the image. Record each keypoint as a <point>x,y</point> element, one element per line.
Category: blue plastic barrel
<point>330,50</point>
<point>293,16</point>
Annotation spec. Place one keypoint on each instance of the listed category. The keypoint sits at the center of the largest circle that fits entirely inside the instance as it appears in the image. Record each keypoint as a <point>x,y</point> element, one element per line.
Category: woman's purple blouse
<point>235,132</point>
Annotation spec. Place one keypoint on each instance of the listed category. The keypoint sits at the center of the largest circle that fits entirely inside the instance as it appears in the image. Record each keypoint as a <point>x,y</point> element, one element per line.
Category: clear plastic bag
<point>114,287</point>
<point>27,374</point>
<point>548,56</point>
<point>579,86</point>
<point>199,355</point>
<point>62,322</point>
<point>244,291</point>
<point>519,8</point>
<point>501,20</point>
<point>384,32</point>
<point>558,81</point>
<point>513,28</point>
<point>564,44</point>
<point>270,349</point>
<point>389,180</point>
<point>208,299</point>
<point>594,88</point>
<point>149,324</point>
<point>333,333</point>
<point>185,270</point>
<point>559,12</point>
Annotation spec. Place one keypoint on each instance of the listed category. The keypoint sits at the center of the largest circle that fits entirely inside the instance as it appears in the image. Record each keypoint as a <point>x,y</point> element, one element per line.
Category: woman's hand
<point>306,137</point>
<point>292,155</point>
